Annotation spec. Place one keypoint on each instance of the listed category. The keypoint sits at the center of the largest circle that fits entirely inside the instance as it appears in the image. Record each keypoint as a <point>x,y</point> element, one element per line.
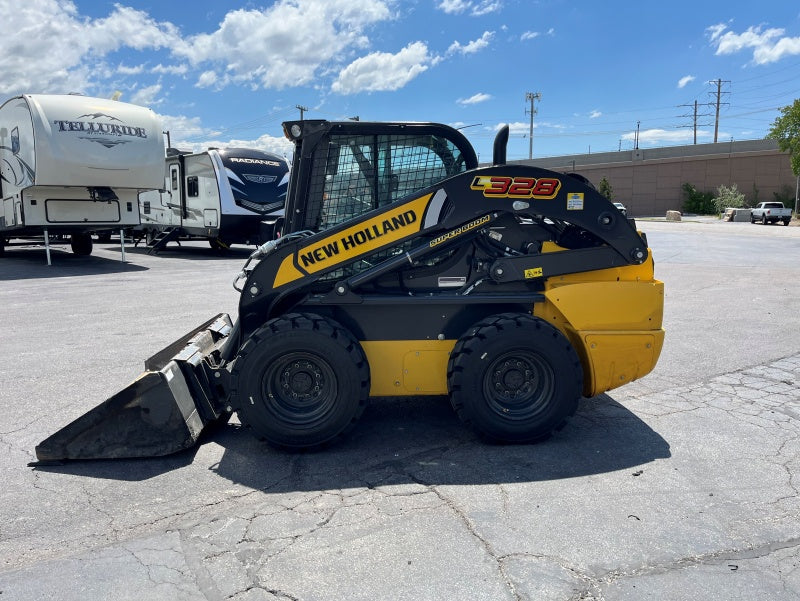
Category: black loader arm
<point>585,233</point>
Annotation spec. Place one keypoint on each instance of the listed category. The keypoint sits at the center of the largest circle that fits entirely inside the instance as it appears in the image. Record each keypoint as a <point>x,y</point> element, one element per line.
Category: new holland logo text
<point>460,230</point>
<point>498,186</point>
<point>350,241</point>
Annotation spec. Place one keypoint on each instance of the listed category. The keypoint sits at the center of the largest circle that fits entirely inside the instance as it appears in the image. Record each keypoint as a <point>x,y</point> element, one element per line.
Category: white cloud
<point>146,96</point>
<point>473,46</point>
<point>475,9</point>
<point>286,44</point>
<point>126,70</point>
<point>517,127</point>
<point>529,35</point>
<point>382,71</point>
<point>170,69</point>
<point>183,128</point>
<point>475,99</point>
<point>278,145</point>
<point>686,79</point>
<point>486,7</point>
<point>595,114</point>
<point>650,137</point>
<point>48,47</point>
<point>206,79</point>
<point>768,46</point>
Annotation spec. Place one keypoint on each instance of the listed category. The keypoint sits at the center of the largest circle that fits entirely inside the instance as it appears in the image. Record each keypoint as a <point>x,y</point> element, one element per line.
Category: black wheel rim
<point>299,389</point>
<point>518,385</point>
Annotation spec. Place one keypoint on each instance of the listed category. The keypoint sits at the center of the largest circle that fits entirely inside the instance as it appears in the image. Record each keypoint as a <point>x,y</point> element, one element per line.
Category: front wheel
<point>300,381</point>
<point>514,378</point>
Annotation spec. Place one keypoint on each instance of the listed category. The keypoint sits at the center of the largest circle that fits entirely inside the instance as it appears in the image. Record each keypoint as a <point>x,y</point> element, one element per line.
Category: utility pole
<point>302,110</point>
<point>718,83</point>
<point>636,138</point>
<point>694,117</point>
<point>532,97</point>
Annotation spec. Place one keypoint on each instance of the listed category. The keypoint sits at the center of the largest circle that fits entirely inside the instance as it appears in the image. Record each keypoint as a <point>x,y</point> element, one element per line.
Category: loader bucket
<point>162,412</point>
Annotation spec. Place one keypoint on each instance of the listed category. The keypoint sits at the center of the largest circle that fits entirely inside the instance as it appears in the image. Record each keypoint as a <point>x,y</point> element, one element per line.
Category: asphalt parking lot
<point>680,486</point>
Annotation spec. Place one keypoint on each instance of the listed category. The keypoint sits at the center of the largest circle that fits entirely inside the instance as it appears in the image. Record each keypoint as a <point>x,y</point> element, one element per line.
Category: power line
<point>532,96</point>
<point>694,117</point>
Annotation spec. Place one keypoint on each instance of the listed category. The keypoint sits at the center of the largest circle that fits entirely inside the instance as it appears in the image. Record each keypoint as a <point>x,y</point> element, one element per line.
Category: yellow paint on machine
<point>408,367</point>
<point>613,318</point>
<point>363,238</point>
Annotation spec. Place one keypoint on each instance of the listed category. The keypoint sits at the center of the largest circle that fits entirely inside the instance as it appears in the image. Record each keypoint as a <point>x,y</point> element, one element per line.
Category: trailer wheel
<point>514,378</point>
<point>300,381</point>
<point>81,244</point>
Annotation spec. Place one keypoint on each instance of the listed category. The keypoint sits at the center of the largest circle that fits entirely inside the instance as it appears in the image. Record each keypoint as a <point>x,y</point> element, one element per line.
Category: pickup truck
<point>770,212</point>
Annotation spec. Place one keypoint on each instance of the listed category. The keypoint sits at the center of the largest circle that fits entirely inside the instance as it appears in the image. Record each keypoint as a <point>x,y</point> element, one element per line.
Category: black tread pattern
<point>308,322</point>
<point>494,326</point>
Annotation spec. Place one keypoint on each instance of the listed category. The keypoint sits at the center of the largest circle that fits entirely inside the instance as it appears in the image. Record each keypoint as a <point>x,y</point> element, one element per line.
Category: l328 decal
<point>499,186</point>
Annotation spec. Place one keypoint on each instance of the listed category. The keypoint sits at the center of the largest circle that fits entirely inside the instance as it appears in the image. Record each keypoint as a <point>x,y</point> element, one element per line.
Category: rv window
<point>192,187</point>
<point>174,175</point>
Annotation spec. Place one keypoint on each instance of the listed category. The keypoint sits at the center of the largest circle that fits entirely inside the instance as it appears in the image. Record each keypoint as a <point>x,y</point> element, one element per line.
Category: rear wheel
<point>514,378</point>
<point>764,220</point>
<point>81,244</point>
<point>787,220</point>
<point>300,381</point>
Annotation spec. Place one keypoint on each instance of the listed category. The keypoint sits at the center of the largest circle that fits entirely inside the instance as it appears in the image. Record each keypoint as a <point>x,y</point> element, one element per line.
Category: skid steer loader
<point>403,268</point>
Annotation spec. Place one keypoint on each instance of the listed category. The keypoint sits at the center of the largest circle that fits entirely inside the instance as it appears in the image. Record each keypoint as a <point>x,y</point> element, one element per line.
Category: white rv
<point>73,165</point>
<point>228,196</point>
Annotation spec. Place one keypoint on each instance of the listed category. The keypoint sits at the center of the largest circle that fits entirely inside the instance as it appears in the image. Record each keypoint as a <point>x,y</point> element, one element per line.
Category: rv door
<point>177,192</point>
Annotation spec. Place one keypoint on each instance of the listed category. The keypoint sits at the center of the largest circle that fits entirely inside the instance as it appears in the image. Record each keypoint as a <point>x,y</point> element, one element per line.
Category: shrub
<point>696,202</point>
<point>604,187</point>
<point>728,197</point>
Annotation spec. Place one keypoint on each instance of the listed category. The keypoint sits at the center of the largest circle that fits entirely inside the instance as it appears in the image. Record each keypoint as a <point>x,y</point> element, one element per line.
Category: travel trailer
<point>74,165</point>
<point>228,196</point>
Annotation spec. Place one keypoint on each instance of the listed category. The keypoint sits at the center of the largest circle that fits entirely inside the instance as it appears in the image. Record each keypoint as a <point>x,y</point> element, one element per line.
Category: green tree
<point>786,130</point>
<point>604,187</point>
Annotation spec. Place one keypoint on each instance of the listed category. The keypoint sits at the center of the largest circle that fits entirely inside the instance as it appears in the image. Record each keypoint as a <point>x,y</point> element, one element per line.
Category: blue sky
<point>228,73</point>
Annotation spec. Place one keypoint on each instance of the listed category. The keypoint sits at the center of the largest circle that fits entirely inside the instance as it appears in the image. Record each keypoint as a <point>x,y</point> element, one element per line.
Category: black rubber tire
<point>764,220</point>
<point>514,378</point>
<point>81,244</point>
<point>786,221</point>
<point>752,219</point>
<point>273,375</point>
